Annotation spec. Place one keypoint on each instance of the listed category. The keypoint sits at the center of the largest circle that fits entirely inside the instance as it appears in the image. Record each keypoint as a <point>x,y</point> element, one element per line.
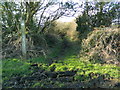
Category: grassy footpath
<point>86,71</point>
<point>69,65</point>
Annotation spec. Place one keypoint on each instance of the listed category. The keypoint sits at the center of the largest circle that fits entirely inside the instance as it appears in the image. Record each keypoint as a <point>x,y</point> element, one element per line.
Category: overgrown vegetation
<point>46,53</point>
<point>64,67</point>
<point>69,69</point>
<point>103,45</point>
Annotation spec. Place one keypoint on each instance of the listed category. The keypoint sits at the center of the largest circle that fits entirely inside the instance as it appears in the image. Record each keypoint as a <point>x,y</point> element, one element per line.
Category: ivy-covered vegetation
<point>58,74</point>
<point>65,68</point>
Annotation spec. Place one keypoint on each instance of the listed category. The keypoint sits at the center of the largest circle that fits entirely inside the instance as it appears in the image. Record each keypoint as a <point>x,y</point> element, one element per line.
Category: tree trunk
<point>0,47</point>
<point>23,38</point>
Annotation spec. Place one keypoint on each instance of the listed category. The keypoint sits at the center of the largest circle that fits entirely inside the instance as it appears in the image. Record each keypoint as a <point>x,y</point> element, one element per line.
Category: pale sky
<point>63,18</point>
<point>69,19</point>
<point>66,19</point>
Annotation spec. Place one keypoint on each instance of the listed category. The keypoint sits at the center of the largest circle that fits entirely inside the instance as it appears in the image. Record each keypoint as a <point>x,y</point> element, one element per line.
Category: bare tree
<point>47,10</point>
<point>23,19</point>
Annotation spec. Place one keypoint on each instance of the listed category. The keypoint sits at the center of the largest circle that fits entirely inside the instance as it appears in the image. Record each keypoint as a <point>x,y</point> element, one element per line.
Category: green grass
<point>38,60</point>
<point>14,67</point>
<point>74,63</point>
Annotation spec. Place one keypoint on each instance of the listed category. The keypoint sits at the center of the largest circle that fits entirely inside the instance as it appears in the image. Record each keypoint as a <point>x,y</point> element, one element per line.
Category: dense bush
<point>100,16</point>
<point>103,45</point>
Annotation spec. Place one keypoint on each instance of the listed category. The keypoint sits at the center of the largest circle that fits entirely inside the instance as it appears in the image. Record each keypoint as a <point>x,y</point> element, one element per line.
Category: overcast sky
<point>69,19</point>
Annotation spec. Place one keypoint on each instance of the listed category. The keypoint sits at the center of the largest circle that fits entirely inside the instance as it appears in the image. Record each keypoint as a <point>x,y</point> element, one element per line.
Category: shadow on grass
<point>62,51</point>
